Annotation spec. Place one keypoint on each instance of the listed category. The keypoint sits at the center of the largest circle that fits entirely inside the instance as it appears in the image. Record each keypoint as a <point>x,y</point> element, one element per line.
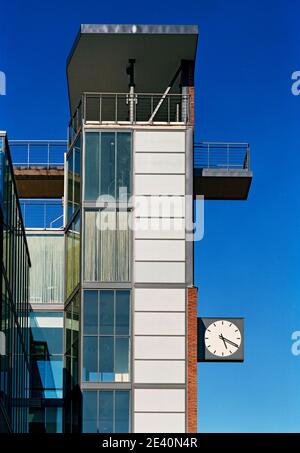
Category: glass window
<point>122,313</point>
<point>122,411</point>
<point>90,359</point>
<point>92,166</point>
<point>106,411</point>
<point>124,164</point>
<point>91,313</point>
<point>107,165</point>
<point>73,165</point>
<point>106,346</point>
<point>70,209</point>
<point>106,358</point>
<point>90,412</point>
<point>107,246</point>
<point>73,255</point>
<point>106,312</point>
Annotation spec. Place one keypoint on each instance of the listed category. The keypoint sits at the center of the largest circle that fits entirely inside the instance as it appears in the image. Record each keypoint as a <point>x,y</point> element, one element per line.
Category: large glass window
<point>72,322</point>
<point>46,353</point>
<point>73,255</point>
<point>107,165</point>
<point>106,411</point>
<point>107,243</point>
<point>106,329</point>
<point>73,166</point>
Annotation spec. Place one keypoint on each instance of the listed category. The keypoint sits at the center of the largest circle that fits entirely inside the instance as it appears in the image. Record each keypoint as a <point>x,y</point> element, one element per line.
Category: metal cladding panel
<point>159,400</point>
<point>159,348</point>
<point>159,422</point>
<point>159,371</point>
<point>160,299</point>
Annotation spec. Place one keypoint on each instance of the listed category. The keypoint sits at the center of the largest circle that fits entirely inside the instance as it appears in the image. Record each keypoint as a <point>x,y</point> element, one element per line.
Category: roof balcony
<point>39,167</point>
<point>130,109</point>
<point>222,170</point>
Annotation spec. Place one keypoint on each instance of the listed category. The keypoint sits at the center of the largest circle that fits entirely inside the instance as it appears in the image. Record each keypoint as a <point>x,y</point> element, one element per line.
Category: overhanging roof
<point>100,54</point>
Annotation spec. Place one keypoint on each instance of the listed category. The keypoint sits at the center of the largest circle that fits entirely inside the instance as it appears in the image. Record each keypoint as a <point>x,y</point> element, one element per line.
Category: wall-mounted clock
<point>220,339</point>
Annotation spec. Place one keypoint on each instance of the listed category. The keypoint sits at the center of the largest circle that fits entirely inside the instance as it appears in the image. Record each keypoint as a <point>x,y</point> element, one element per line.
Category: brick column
<point>192,360</point>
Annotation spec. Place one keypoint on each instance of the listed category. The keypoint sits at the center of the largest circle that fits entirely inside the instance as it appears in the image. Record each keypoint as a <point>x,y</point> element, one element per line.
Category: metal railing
<point>42,214</point>
<point>222,156</point>
<point>46,153</point>
<point>123,108</point>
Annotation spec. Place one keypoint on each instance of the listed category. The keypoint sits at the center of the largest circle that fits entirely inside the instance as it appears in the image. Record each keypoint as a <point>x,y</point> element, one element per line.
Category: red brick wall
<point>192,360</point>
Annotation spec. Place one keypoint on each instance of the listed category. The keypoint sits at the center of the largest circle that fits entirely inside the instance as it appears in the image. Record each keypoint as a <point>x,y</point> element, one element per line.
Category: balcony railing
<point>124,108</point>
<point>222,156</point>
<point>46,153</point>
<point>42,213</point>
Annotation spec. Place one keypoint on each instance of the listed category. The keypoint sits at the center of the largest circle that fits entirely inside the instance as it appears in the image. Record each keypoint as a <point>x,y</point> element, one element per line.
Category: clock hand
<point>228,341</point>
<point>222,338</point>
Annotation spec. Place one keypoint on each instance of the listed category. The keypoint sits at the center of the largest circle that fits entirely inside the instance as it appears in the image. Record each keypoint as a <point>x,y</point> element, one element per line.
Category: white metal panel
<point>159,272</point>
<point>159,250</point>
<point>159,400</point>
<point>159,185</point>
<point>159,206</point>
<point>158,228</point>
<point>159,299</point>
<point>159,323</point>
<point>159,372</point>
<point>159,163</point>
<point>159,141</point>
<point>159,348</point>
<point>159,423</point>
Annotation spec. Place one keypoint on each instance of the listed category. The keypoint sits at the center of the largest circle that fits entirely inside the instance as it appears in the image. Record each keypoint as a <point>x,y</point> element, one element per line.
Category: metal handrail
<point>28,153</point>
<point>222,155</point>
<point>124,108</point>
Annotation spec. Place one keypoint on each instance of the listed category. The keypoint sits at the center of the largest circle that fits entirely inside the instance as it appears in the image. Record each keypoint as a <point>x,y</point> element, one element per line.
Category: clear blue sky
<point>248,263</point>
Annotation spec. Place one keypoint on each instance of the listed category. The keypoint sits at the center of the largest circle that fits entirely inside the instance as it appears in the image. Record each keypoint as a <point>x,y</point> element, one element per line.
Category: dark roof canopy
<point>100,54</point>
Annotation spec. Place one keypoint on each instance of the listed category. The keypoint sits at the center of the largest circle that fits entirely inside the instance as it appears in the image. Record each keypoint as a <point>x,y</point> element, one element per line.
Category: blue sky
<point>248,262</point>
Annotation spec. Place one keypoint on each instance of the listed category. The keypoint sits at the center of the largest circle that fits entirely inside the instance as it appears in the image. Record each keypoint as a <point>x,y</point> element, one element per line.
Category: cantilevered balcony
<point>127,109</point>
<point>39,167</point>
<point>222,170</point>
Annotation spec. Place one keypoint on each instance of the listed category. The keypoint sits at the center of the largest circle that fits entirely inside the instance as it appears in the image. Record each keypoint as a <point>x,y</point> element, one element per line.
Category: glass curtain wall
<point>106,411</point>
<point>107,166</point>
<point>14,365</point>
<point>72,393</point>
<point>106,330</point>
<point>105,260</point>
<point>46,371</point>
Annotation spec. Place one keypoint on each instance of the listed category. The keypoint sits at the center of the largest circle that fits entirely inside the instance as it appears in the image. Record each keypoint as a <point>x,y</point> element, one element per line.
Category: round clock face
<point>222,338</point>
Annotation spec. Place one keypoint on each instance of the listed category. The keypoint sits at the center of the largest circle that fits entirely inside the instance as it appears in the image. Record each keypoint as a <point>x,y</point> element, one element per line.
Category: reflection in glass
<point>122,402</point>
<point>106,409</point>
<point>91,313</point>
<point>90,412</point>
<point>90,359</point>
<point>106,312</point>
